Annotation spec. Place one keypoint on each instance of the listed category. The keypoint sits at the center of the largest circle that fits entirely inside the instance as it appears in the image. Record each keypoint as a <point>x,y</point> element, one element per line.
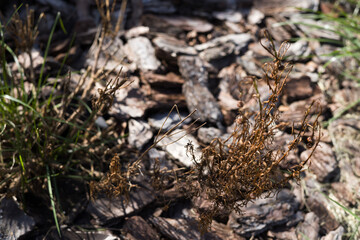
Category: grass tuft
<point>43,136</point>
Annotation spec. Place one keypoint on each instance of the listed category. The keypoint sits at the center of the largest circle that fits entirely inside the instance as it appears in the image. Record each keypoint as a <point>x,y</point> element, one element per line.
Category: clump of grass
<point>343,21</point>
<point>44,136</point>
<point>345,25</point>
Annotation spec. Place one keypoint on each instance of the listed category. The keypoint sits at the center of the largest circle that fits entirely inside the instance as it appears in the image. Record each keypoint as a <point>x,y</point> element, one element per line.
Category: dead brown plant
<point>241,168</point>
<point>232,172</point>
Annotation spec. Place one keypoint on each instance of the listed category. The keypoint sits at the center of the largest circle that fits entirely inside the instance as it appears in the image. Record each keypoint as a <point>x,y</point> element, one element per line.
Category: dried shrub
<point>232,172</point>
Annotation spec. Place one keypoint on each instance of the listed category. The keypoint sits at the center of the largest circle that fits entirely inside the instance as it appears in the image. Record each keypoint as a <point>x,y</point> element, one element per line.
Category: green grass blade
<point>16,60</point>
<point>52,200</point>
<point>342,112</point>
<point>42,176</point>
<point>62,25</point>
<point>353,235</point>
<point>20,102</point>
<point>343,207</point>
<point>11,16</point>
<point>22,164</point>
<point>85,105</point>
<point>68,123</point>
<point>67,55</point>
<point>3,129</point>
<point>47,49</point>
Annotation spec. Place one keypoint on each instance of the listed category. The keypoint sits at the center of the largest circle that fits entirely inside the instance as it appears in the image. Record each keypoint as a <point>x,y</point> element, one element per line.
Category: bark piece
<point>134,106</point>
<point>298,50</point>
<point>188,23</point>
<point>176,147</point>
<point>180,229</point>
<point>335,235</point>
<point>173,46</point>
<point>255,16</point>
<point>110,58</point>
<point>162,99</point>
<point>220,56</point>
<point>193,69</point>
<point>140,51</point>
<point>281,235</point>
<point>206,135</point>
<point>130,101</point>
<point>158,25</point>
<point>258,51</point>
<point>138,229</point>
<point>263,214</point>
<point>195,89</point>
<point>240,41</point>
<point>235,27</point>
<point>250,64</point>
<point>323,163</point>
<point>199,98</point>
<point>139,133</point>
<point>342,98</point>
<point>169,48</point>
<point>321,206</point>
<point>299,89</point>
<point>107,210</point>
<point>170,80</point>
<point>309,229</point>
<point>230,16</point>
<point>269,7</point>
<point>344,192</point>
<point>295,112</point>
<point>74,233</point>
<point>277,32</point>
<point>159,120</point>
<point>283,140</point>
<point>163,90</point>
<point>159,155</point>
<point>224,232</point>
<point>136,32</point>
<point>230,87</point>
<point>318,205</point>
<point>14,222</point>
